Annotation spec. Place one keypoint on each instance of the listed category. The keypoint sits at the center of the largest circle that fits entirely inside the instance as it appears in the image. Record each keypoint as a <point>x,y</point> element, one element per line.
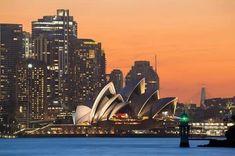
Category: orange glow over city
<point>194,40</point>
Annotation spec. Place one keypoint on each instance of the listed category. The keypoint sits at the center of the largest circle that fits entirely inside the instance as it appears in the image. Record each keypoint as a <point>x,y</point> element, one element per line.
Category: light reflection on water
<point>106,147</point>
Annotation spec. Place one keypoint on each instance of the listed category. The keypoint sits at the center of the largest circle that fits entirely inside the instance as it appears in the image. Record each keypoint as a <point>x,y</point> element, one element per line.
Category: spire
<point>203,96</point>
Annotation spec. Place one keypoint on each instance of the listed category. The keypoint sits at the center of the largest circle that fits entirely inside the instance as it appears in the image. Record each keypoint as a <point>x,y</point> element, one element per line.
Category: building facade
<point>219,109</point>
<point>140,70</point>
<point>10,53</point>
<point>27,45</point>
<point>89,70</point>
<point>31,92</point>
<point>116,76</point>
<point>51,35</point>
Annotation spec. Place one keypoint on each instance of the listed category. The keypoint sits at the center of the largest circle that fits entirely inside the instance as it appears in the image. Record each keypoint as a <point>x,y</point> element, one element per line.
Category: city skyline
<point>193,41</point>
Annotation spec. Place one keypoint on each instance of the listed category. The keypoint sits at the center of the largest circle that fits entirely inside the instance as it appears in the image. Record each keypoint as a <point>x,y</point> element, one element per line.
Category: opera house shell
<point>134,102</point>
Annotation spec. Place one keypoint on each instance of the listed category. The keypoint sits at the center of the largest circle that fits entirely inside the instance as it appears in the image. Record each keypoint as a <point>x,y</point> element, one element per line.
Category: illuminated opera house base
<point>134,110</point>
<point>133,103</point>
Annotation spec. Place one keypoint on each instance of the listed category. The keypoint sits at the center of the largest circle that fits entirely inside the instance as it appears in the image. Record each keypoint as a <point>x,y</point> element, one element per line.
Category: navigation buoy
<point>184,130</point>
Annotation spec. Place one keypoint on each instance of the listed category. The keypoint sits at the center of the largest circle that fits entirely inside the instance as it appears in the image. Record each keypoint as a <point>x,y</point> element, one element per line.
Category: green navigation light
<point>184,118</point>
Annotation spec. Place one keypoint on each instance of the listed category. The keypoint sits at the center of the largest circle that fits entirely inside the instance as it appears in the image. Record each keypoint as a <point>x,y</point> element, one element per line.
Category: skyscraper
<point>10,53</point>
<point>59,28</point>
<point>51,35</point>
<point>116,77</point>
<point>89,69</point>
<point>31,91</point>
<point>140,70</point>
<point>27,45</point>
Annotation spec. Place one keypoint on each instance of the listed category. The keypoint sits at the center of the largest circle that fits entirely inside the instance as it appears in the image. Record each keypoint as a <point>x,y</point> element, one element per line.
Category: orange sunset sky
<point>194,40</point>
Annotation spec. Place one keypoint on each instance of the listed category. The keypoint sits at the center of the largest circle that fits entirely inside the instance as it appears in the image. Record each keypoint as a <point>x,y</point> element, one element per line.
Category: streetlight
<point>30,65</point>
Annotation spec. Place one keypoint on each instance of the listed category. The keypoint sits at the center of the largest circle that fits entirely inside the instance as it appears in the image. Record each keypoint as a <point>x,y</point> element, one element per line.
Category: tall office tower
<point>27,45</point>
<point>43,51</point>
<point>143,69</point>
<point>4,114</point>
<point>59,28</point>
<point>31,92</point>
<point>10,54</point>
<point>89,70</point>
<point>51,36</point>
<point>203,97</point>
<point>116,77</point>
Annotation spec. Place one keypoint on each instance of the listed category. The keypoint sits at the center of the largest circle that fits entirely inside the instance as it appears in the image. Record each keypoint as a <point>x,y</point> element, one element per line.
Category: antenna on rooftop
<point>155,63</point>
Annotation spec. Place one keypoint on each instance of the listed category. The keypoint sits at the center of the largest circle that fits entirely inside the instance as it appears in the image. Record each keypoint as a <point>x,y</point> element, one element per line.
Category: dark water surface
<point>106,147</point>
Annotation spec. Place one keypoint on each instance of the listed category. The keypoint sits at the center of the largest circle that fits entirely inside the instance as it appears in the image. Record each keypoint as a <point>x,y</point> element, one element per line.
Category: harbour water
<point>106,147</point>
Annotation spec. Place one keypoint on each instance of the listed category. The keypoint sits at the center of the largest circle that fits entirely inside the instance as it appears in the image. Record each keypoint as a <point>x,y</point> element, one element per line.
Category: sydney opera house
<point>136,108</point>
<point>134,105</point>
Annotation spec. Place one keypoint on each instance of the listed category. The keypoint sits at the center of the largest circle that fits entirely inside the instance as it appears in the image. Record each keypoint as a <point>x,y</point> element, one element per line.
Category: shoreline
<point>108,136</point>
